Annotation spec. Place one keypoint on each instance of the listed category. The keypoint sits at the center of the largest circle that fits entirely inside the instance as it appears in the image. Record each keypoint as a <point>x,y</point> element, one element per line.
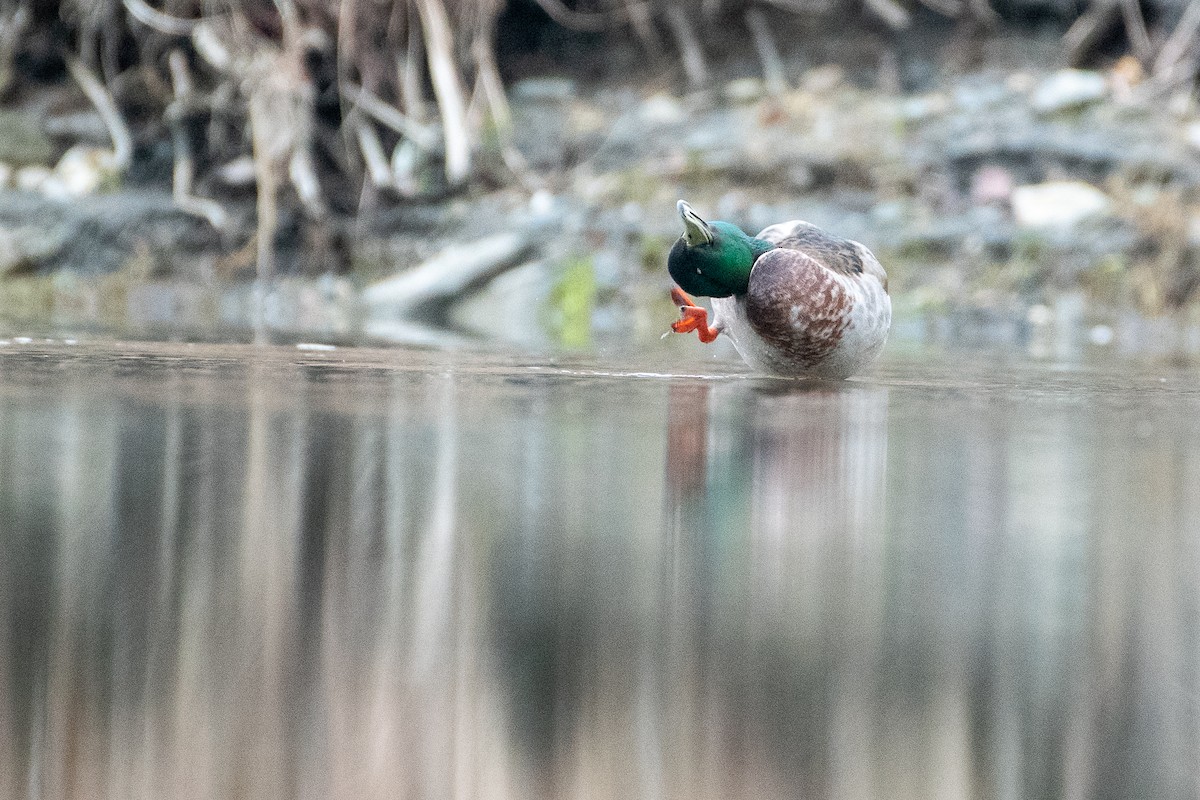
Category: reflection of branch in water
<point>87,513</point>
<point>10,747</point>
<point>435,555</point>
<point>436,596</point>
<point>1002,630</point>
<point>687,441</point>
<point>266,583</point>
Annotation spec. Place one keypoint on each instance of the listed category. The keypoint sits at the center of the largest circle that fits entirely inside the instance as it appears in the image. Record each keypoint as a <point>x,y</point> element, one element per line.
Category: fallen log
<point>448,275</point>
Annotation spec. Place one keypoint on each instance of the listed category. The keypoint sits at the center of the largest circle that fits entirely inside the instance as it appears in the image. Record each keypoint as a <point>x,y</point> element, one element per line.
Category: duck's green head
<point>713,259</point>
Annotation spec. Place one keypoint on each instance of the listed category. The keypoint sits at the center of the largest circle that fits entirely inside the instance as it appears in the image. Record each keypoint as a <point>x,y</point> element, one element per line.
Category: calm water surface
<point>240,573</point>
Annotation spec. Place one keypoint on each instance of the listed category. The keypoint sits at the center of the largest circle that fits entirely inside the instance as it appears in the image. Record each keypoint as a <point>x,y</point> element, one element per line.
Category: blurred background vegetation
<point>444,170</point>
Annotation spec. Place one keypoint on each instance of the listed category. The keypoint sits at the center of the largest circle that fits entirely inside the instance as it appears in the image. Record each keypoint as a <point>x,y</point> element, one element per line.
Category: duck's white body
<point>817,306</point>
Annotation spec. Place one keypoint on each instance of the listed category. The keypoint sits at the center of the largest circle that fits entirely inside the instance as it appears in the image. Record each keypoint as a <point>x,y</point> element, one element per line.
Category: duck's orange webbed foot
<point>694,318</point>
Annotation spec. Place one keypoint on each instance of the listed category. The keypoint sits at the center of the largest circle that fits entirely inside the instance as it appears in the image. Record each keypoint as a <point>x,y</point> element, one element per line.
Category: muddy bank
<point>1012,194</point>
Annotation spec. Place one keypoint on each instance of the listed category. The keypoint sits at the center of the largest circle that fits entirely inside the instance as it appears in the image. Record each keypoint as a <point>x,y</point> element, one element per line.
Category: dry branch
<point>802,6</point>
<point>694,65</point>
<point>409,81</point>
<point>184,168</point>
<point>1135,29</point>
<point>569,18</point>
<point>768,53</point>
<point>303,175</point>
<point>153,18</point>
<point>641,18</point>
<point>99,96</point>
<point>1182,39</point>
<point>449,273</point>
<point>492,85</point>
<point>447,88</point>
<point>378,168</point>
<point>421,135</point>
<point>890,12</point>
<point>11,30</point>
<point>950,8</point>
<point>1086,31</point>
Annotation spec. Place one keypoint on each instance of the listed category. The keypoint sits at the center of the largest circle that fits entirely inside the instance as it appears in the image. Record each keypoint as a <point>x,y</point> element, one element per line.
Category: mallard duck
<point>795,300</point>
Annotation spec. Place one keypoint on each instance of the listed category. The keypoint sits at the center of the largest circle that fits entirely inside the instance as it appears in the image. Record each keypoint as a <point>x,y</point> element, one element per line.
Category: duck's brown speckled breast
<point>797,301</point>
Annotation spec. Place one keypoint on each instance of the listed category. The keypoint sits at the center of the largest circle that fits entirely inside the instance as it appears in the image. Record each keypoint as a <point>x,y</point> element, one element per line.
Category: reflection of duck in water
<point>795,300</point>
<point>718,649</point>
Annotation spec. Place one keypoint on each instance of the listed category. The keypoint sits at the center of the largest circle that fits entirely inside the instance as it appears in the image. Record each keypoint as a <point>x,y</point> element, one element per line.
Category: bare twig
<point>476,107</point>
<point>889,69</point>
<point>303,175</point>
<point>410,77</point>
<point>181,77</point>
<point>1181,40</point>
<point>290,19</point>
<point>493,86</point>
<point>951,8</point>
<point>421,135</point>
<point>803,6</point>
<point>694,65</point>
<point>447,88</point>
<point>984,13</point>
<point>163,23</point>
<point>184,171</point>
<point>890,12</point>
<point>267,180</point>
<point>642,20</point>
<point>768,53</point>
<point>346,52</point>
<point>99,96</point>
<point>11,30</point>
<point>1135,29</point>
<point>577,20</point>
<point>347,42</point>
<point>281,102</point>
<point>212,46</point>
<point>519,167</point>
<point>1087,31</point>
<point>1163,83</point>
<point>404,162</point>
<point>373,154</point>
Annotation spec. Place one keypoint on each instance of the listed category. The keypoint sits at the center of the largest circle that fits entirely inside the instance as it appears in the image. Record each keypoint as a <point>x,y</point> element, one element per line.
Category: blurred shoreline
<point>1008,196</point>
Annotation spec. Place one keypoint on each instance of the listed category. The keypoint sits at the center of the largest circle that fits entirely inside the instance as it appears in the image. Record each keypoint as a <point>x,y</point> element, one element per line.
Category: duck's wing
<point>842,256</point>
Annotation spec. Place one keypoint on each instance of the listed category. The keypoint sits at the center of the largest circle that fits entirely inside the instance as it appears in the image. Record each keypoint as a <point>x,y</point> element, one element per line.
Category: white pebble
<point>1101,335</point>
<point>31,179</point>
<point>1067,89</point>
<point>1040,315</point>
<point>1057,204</point>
